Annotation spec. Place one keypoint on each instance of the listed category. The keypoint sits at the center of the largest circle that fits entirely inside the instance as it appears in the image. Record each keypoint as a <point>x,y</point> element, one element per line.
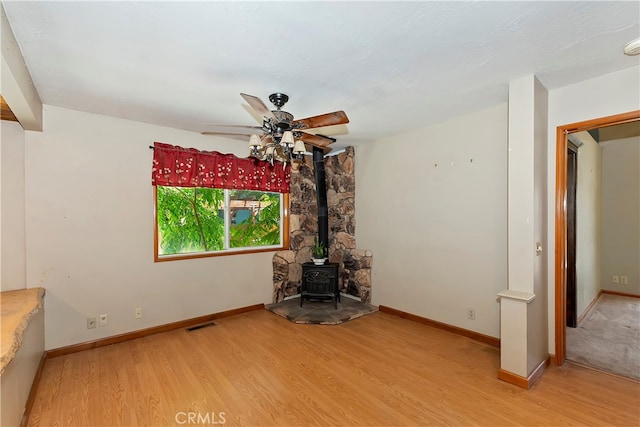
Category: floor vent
<point>204,325</point>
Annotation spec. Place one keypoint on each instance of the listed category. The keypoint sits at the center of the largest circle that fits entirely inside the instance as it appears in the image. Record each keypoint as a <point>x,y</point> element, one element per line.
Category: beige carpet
<point>608,338</point>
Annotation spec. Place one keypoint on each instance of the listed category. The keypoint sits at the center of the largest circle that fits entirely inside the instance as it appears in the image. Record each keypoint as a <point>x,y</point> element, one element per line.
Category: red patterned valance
<point>187,167</point>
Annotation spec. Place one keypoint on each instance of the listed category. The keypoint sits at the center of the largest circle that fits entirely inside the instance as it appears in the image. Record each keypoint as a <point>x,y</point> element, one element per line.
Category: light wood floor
<point>261,370</point>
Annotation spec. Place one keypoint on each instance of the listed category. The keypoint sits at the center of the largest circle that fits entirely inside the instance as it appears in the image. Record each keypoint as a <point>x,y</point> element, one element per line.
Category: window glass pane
<point>194,221</point>
<point>255,219</point>
<point>189,220</point>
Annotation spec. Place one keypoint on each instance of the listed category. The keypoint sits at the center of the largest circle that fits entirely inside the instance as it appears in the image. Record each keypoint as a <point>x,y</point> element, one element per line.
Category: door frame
<point>561,218</point>
<point>571,294</point>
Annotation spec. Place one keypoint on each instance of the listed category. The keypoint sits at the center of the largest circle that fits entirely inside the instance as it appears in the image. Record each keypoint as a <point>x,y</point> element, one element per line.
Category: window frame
<point>229,251</point>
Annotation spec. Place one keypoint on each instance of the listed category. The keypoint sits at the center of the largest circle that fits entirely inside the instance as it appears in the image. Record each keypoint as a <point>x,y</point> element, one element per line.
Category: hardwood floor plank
<point>259,369</point>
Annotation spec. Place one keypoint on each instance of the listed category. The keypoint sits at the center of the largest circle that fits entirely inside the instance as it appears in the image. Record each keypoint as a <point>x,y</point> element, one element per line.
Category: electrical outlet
<point>103,320</point>
<point>615,279</point>
<point>91,322</point>
<point>471,313</point>
<point>139,313</point>
<point>624,280</point>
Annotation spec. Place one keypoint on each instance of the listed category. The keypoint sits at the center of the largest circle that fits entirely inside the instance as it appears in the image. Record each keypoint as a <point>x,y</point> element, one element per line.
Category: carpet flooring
<point>608,338</point>
<point>321,312</point>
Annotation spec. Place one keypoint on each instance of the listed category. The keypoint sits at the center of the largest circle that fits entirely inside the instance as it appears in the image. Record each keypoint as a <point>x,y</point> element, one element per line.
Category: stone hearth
<point>321,312</point>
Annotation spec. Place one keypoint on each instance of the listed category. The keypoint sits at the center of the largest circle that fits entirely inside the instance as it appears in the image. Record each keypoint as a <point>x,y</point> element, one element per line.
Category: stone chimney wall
<point>355,264</point>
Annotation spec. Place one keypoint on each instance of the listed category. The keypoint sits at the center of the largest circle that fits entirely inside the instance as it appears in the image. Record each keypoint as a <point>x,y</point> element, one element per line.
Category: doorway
<point>562,218</point>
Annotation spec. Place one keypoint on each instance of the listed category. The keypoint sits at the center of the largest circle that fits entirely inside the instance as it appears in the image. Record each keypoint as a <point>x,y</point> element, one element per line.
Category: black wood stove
<point>320,282</point>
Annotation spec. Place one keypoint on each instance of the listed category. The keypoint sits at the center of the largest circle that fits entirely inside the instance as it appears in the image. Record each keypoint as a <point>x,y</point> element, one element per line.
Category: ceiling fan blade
<point>226,133</point>
<point>237,136</point>
<point>257,104</point>
<point>231,129</point>
<point>329,119</point>
<point>315,140</point>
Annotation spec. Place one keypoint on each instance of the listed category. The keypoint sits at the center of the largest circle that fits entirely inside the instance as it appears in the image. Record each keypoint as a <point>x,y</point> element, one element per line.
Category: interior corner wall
<point>432,208</point>
<point>588,222</point>
<point>12,207</point>
<point>89,232</point>
<point>621,214</point>
<point>521,196</point>
<point>602,96</point>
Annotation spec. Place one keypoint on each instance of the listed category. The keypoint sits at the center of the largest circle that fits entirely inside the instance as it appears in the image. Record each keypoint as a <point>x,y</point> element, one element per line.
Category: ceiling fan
<point>281,137</point>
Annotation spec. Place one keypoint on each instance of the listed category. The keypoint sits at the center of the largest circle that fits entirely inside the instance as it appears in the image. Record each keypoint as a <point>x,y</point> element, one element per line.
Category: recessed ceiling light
<point>633,47</point>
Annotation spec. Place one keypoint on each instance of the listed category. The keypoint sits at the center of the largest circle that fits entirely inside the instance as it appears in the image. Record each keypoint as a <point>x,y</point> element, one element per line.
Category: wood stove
<point>320,282</point>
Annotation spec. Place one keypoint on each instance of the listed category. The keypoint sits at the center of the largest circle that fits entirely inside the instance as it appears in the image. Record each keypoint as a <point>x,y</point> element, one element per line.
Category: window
<point>208,203</point>
<point>196,222</point>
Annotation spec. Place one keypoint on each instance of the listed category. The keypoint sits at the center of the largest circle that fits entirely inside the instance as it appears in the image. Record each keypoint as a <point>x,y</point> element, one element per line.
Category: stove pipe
<point>321,194</point>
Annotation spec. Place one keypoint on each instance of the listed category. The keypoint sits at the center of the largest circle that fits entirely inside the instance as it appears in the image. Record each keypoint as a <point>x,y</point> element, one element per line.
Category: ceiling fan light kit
<point>632,48</point>
<point>299,148</point>
<point>287,139</point>
<point>285,150</point>
<point>283,137</point>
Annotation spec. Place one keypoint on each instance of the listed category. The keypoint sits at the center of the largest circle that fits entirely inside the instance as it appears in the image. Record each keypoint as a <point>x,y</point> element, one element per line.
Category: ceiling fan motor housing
<point>284,120</point>
<point>278,99</point>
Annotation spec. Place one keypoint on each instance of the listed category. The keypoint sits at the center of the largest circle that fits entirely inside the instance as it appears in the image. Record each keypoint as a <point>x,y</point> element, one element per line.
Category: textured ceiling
<point>391,66</point>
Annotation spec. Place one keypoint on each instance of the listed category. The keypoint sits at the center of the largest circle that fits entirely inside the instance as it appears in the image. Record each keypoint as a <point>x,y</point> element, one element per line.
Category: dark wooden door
<point>572,181</point>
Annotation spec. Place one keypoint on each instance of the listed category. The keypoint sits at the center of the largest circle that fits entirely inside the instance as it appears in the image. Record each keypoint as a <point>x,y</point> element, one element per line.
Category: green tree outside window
<point>200,220</point>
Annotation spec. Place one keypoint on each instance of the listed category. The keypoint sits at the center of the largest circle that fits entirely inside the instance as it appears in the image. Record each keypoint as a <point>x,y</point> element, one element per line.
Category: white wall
<point>588,222</point>
<point>431,206</point>
<point>12,207</point>
<point>621,214</point>
<point>89,221</point>
<point>607,95</point>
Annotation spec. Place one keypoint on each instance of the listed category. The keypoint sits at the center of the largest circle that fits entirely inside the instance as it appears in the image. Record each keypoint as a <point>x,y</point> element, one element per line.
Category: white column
<point>523,325</point>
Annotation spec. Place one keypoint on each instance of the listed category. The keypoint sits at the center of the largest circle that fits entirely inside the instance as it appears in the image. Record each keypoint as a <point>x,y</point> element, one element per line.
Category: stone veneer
<point>354,264</point>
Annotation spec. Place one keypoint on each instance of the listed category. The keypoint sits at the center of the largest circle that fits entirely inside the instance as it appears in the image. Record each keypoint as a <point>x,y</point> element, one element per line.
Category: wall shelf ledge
<point>526,297</point>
